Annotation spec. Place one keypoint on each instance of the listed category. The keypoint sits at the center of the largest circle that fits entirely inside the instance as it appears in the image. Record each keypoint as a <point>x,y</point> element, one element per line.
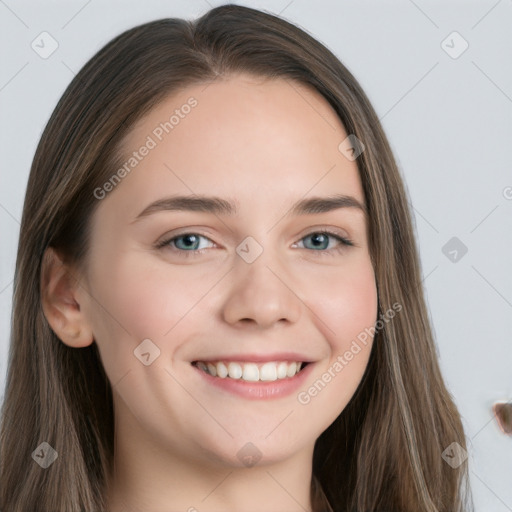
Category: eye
<point>188,244</point>
<point>320,240</point>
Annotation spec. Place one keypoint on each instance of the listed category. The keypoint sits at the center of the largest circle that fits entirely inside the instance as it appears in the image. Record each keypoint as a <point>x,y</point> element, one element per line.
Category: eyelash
<point>344,243</point>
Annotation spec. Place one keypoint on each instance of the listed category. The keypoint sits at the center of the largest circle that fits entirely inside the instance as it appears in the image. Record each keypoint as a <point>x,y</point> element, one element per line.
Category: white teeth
<point>292,369</point>
<point>251,372</point>
<point>212,369</point>
<point>268,371</point>
<point>234,370</point>
<point>222,371</point>
<point>282,368</point>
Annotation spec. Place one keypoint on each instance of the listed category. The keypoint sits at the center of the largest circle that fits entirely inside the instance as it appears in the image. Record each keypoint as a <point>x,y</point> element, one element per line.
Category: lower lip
<point>259,390</point>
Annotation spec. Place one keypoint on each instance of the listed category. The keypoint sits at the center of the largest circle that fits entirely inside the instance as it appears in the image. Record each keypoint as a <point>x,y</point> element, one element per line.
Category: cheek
<point>135,300</point>
<point>347,311</point>
<point>345,302</point>
<point>148,298</point>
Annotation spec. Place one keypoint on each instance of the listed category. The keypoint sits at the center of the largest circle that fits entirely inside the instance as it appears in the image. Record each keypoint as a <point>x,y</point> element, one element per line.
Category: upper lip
<point>257,358</point>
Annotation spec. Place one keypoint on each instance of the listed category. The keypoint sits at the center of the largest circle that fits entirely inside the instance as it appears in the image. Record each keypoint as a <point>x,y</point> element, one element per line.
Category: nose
<point>261,293</point>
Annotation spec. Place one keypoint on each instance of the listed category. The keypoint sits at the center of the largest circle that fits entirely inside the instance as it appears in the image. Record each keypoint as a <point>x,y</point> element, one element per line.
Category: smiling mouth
<point>251,372</point>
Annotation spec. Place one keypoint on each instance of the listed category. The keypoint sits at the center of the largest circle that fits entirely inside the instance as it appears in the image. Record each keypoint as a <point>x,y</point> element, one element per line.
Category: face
<point>183,285</point>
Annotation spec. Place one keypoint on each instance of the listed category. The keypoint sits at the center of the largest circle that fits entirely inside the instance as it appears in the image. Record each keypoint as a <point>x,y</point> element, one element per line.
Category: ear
<point>59,288</point>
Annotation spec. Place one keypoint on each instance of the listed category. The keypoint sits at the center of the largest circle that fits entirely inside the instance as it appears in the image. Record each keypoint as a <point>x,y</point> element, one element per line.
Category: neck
<point>272,488</point>
<point>149,477</point>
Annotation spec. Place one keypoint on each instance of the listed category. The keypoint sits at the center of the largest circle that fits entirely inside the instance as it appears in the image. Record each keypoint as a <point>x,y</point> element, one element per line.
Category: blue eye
<point>190,241</point>
<point>320,238</point>
<point>186,244</point>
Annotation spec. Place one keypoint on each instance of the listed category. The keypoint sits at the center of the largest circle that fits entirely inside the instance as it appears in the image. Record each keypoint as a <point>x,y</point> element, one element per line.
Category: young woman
<point>218,302</point>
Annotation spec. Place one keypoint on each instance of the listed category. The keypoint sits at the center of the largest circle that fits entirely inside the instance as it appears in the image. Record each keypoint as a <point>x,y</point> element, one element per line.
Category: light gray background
<point>449,123</point>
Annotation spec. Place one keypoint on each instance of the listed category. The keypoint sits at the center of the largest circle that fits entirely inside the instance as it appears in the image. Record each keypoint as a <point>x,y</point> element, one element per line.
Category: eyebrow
<point>217,205</point>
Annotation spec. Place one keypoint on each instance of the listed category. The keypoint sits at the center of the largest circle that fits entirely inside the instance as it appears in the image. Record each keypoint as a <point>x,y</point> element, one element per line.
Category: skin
<point>266,144</point>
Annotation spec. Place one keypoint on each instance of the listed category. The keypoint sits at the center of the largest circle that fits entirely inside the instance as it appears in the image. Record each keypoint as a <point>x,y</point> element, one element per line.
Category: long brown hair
<point>384,451</point>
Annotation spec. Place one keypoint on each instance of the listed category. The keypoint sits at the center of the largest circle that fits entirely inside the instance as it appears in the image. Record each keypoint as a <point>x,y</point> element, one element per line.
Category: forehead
<point>259,140</point>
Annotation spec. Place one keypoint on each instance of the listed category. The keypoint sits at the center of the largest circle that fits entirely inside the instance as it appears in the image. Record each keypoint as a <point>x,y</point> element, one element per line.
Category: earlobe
<point>58,298</point>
